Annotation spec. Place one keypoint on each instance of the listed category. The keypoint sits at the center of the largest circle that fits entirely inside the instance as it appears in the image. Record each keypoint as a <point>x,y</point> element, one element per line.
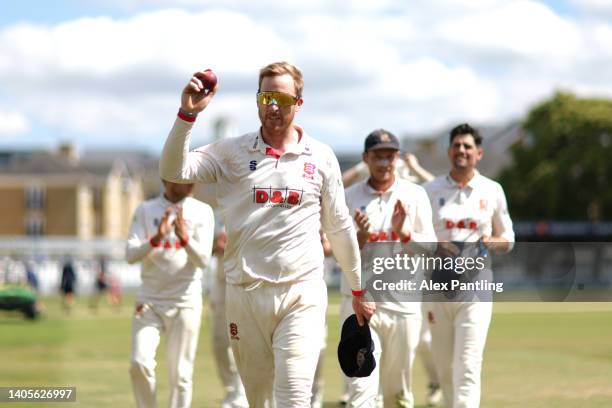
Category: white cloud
<point>12,123</point>
<point>407,66</point>
<point>270,8</point>
<point>116,76</point>
<point>524,29</point>
<point>594,7</point>
<point>170,38</point>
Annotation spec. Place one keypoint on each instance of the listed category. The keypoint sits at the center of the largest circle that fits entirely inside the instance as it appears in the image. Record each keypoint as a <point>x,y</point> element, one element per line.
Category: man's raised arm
<point>176,163</point>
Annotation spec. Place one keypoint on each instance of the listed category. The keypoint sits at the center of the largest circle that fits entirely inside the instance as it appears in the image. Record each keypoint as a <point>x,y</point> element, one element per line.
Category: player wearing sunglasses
<point>277,188</point>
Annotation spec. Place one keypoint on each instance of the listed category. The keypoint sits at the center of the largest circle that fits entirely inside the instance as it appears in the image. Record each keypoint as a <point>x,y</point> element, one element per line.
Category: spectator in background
<point>100,284</point>
<point>105,285</point>
<point>115,297</point>
<point>32,276</point>
<point>67,285</point>
<point>33,283</point>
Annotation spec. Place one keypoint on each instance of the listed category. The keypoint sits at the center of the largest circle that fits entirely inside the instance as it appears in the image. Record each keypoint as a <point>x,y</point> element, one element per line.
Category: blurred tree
<point>562,166</point>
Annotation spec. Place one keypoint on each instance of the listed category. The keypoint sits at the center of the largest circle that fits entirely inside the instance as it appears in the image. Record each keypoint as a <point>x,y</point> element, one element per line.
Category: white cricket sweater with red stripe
<point>171,273</point>
<point>273,206</point>
<point>379,209</point>
<point>466,213</point>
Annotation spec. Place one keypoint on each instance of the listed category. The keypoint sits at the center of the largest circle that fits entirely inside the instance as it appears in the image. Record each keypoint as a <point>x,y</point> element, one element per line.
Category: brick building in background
<point>59,194</point>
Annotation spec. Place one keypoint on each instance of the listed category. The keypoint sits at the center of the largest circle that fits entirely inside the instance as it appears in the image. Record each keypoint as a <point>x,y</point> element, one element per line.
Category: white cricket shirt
<point>379,208</point>
<point>171,274</point>
<point>273,206</point>
<point>466,213</point>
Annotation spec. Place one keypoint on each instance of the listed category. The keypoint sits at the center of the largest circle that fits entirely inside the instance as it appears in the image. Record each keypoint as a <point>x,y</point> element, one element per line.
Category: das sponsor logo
<point>383,236</point>
<point>277,197</point>
<point>462,224</point>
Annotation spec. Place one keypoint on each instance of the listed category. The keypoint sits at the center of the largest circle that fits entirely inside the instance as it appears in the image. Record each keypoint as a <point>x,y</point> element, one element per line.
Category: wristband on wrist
<point>359,293</point>
<point>184,242</point>
<point>154,243</point>
<point>187,116</point>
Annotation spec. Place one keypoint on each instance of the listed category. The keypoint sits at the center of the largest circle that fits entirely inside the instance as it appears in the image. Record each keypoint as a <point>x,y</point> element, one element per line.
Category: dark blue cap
<point>356,349</point>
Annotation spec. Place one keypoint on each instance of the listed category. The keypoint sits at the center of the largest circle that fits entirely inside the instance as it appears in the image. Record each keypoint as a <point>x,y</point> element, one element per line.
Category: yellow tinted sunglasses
<point>276,98</point>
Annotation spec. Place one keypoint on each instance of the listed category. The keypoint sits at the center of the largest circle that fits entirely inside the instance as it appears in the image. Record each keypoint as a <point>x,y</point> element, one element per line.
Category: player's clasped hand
<point>180,227</point>
<point>164,226</point>
<point>363,227</point>
<point>398,219</point>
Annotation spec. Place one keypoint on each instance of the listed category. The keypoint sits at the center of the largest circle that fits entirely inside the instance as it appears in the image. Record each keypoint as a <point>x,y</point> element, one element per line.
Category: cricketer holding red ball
<point>276,187</point>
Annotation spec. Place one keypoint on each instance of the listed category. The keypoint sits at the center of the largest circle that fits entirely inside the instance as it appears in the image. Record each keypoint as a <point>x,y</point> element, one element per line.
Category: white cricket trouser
<point>224,359</point>
<point>181,327</point>
<point>396,337</point>
<point>275,334</point>
<point>425,352</point>
<point>459,333</point>
<point>318,383</point>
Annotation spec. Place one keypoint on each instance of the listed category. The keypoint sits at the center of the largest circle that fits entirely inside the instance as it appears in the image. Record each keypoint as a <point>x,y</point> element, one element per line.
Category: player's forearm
<point>173,161</point>
<point>423,174</point>
<point>346,251</point>
<point>499,244</point>
<point>136,250</point>
<point>199,253</point>
<point>349,177</point>
<point>362,239</point>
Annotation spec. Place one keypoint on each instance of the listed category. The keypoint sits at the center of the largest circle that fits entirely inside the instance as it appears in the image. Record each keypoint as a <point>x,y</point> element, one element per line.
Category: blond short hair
<point>282,68</point>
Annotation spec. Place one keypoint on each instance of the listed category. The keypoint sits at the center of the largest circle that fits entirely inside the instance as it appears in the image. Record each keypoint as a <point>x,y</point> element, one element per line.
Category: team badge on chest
<point>309,171</point>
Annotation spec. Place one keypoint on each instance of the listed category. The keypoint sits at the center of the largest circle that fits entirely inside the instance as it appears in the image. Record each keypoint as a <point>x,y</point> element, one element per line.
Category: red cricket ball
<point>209,80</point>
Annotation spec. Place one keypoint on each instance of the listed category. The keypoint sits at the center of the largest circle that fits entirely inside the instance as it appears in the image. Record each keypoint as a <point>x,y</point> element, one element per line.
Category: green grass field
<point>537,355</point>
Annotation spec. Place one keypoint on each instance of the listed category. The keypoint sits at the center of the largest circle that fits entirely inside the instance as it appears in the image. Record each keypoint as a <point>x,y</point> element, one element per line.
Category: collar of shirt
<point>472,184</point>
<point>301,147</point>
<point>165,203</point>
<point>369,190</point>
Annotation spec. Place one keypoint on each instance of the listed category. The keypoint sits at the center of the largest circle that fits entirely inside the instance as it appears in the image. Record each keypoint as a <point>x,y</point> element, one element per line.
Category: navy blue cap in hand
<point>356,349</point>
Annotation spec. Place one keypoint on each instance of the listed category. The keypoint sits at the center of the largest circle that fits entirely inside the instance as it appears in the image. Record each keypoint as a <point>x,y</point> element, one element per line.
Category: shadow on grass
<point>338,405</point>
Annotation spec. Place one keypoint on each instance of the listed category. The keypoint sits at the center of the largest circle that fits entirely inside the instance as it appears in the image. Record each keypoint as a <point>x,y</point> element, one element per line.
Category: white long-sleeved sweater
<point>171,274</point>
<point>273,206</point>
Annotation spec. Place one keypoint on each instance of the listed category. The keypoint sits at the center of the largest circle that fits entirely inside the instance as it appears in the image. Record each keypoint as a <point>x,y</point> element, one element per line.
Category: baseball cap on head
<point>381,139</point>
<point>356,349</point>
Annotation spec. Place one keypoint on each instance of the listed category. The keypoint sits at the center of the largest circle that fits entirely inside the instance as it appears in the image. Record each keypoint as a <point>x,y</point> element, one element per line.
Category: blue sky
<point>109,73</point>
